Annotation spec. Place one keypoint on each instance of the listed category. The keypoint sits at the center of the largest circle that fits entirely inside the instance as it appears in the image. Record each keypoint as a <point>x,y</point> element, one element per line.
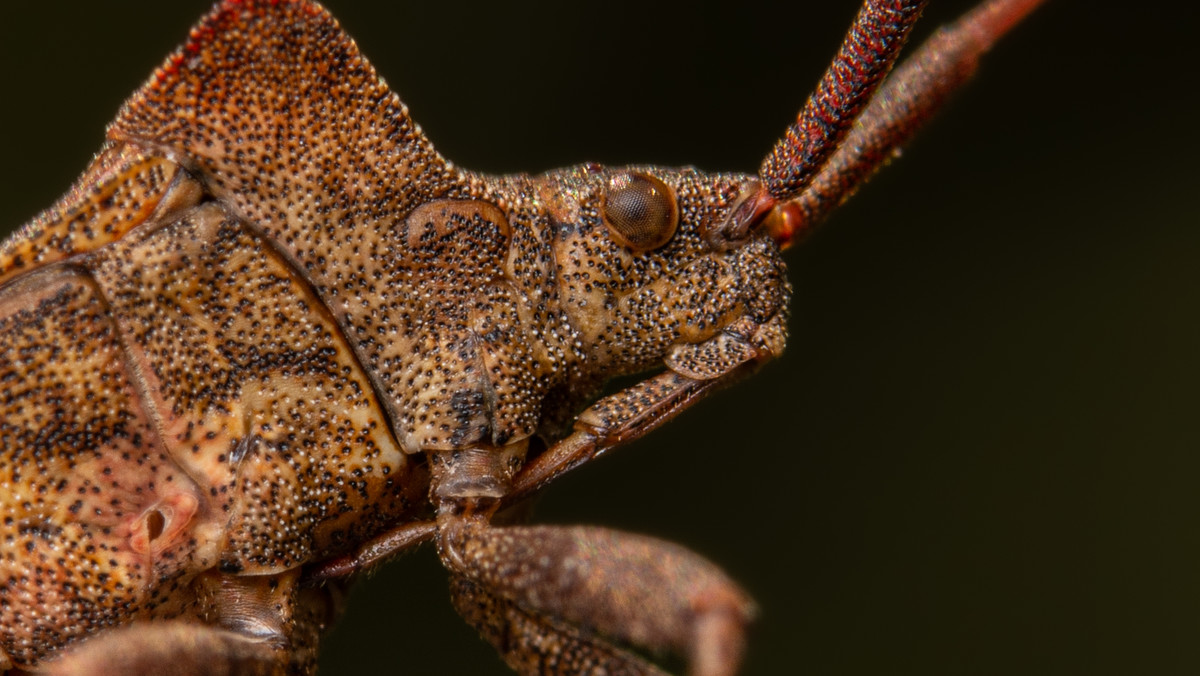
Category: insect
<point>172,510</point>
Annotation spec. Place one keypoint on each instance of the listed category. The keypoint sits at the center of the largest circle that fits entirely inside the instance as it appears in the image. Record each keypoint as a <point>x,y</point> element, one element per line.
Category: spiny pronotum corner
<point>271,337</point>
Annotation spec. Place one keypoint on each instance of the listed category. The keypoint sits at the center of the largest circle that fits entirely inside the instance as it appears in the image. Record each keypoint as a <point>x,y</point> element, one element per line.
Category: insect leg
<point>173,646</point>
<point>536,645</point>
<point>614,421</point>
<point>558,600</point>
<point>561,599</point>
<point>244,625</point>
<point>373,552</point>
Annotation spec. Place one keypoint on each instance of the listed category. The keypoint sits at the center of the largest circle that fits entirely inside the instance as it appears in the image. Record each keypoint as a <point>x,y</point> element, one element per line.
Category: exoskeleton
<point>272,337</point>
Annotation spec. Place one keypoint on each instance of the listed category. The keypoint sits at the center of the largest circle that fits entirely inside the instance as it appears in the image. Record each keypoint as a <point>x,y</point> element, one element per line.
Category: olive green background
<point>980,453</point>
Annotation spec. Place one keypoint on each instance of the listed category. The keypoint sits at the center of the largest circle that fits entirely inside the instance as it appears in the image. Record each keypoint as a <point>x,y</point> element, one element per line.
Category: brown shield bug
<point>437,137</point>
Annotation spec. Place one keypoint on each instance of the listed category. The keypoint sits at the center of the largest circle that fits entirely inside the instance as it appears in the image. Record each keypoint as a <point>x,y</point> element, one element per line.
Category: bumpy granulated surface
<point>228,349</point>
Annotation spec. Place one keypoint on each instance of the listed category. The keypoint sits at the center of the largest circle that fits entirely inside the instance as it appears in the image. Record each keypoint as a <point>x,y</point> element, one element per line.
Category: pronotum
<point>959,123</point>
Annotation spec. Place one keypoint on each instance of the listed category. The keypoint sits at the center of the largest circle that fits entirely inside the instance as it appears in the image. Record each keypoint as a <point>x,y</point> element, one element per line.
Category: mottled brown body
<point>271,324</point>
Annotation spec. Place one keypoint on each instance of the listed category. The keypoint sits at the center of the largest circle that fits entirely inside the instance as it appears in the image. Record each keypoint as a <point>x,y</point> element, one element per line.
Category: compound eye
<point>640,210</point>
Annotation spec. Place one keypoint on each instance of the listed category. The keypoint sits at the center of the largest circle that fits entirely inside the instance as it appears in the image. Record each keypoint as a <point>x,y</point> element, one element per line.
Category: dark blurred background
<point>980,453</point>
